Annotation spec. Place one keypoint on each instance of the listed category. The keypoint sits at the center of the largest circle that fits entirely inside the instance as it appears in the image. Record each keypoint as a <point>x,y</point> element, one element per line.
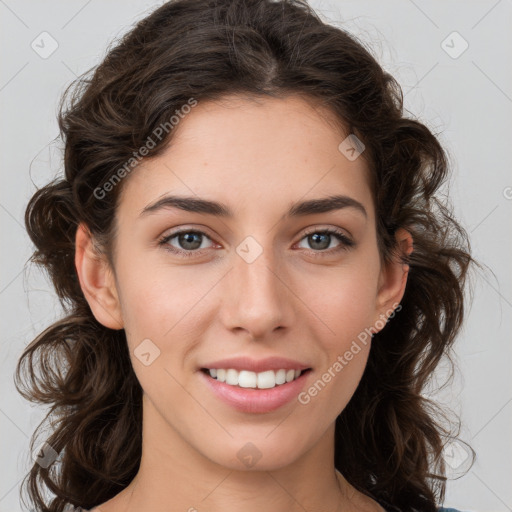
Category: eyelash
<point>345,242</point>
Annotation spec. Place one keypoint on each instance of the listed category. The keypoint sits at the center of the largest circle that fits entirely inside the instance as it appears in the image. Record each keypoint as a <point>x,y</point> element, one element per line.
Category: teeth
<point>232,377</point>
<point>247,379</point>
<point>280,377</point>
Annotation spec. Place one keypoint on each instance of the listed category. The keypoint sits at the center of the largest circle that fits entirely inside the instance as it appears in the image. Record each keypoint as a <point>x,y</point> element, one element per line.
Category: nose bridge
<point>258,297</point>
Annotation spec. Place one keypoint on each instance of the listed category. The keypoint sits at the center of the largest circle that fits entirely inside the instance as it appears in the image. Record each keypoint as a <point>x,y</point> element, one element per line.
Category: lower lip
<point>256,400</point>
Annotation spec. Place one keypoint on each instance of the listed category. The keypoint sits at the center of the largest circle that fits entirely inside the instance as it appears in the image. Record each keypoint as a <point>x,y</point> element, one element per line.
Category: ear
<point>97,280</point>
<point>393,276</point>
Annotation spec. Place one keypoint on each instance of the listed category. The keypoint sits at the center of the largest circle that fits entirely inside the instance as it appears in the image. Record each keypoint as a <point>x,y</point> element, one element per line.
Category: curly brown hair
<point>391,436</point>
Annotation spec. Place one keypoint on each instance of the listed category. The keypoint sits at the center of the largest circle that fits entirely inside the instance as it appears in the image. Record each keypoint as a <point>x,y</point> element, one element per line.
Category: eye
<point>320,240</point>
<point>188,241</point>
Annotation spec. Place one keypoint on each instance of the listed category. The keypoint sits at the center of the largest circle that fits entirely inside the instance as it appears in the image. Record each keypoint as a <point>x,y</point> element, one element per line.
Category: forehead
<point>250,153</point>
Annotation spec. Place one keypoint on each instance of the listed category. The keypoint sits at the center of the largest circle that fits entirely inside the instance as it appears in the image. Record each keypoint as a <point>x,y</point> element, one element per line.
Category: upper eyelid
<point>179,231</point>
<point>316,229</point>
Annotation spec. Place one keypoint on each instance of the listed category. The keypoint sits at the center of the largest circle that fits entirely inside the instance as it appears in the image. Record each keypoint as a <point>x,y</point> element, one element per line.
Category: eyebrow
<point>197,205</point>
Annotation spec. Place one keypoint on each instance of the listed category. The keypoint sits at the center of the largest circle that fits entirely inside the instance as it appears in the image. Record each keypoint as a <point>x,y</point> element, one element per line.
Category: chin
<point>258,453</point>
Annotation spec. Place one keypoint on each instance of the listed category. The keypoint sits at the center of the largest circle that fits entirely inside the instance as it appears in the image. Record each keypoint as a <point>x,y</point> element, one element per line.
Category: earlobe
<point>97,280</point>
<point>393,278</point>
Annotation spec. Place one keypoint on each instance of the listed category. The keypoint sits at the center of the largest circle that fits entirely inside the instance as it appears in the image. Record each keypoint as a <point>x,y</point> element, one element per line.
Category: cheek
<point>342,301</point>
<point>345,345</point>
<point>345,300</point>
<point>169,307</point>
<point>154,298</point>
<point>160,311</point>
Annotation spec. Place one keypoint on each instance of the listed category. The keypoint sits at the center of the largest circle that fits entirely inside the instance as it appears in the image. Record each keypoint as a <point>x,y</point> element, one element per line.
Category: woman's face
<point>259,283</point>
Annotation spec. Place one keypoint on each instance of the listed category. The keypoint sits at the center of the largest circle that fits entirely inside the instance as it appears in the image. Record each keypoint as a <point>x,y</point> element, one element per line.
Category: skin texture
<point>258,158</point>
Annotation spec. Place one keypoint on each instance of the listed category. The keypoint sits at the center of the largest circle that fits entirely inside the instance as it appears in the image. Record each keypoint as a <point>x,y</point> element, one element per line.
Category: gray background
<point>467,100</point>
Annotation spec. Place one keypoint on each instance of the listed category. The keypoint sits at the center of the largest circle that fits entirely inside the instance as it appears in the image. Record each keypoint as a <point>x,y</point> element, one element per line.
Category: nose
<point>257,298</point>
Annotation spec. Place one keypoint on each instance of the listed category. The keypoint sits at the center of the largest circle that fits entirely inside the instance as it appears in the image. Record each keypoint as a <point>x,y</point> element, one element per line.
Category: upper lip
<point>257,365</point>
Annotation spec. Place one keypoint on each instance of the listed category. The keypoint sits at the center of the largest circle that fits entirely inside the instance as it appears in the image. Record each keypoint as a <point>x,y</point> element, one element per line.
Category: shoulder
<point>442,509</point>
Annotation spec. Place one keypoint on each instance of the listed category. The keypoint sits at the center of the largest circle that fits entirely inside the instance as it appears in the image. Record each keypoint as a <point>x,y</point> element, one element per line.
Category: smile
<point>254,399</point>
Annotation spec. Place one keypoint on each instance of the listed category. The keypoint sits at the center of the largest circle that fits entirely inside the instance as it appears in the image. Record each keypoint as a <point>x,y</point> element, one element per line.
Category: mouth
<point>254,380</point>
<point>255,392</point>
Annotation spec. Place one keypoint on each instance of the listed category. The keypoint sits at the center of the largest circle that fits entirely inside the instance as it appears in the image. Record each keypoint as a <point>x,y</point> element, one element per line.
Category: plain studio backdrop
<point>452,60</point>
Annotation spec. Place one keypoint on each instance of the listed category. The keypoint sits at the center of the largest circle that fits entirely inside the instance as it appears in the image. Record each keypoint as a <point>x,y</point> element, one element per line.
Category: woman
<point>259,277</point>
